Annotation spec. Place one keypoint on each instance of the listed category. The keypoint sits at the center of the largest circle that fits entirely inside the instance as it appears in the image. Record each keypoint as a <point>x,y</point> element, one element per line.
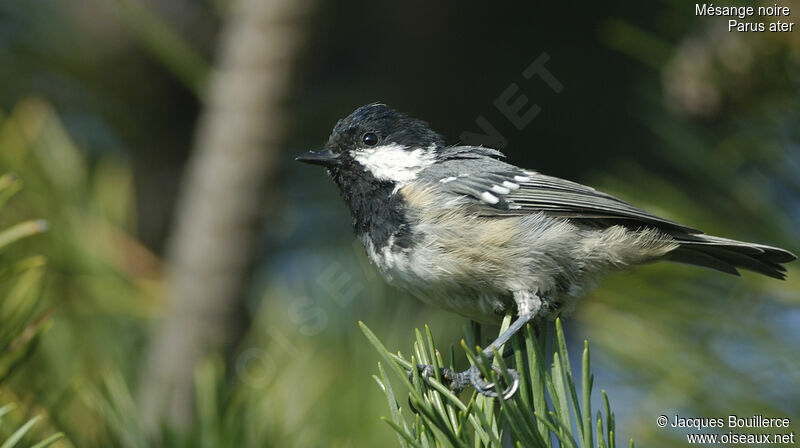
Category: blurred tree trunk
<point>215,236</point>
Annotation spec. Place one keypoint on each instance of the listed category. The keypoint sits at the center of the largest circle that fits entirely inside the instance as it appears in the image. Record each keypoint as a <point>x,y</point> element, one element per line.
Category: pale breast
<point>437,277</point>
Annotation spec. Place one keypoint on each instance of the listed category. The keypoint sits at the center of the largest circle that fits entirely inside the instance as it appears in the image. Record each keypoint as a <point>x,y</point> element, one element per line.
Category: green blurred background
<point>138,128</point>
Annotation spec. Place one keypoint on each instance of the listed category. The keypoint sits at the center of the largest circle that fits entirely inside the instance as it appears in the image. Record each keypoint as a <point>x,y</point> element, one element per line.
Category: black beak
<point>325,157</point>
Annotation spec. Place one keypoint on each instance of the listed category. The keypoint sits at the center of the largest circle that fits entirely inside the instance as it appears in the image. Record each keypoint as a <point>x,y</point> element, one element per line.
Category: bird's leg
<point>528,306</point>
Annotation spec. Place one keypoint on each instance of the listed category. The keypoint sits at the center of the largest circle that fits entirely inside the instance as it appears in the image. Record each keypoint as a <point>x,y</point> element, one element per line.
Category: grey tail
<point>726,255</point>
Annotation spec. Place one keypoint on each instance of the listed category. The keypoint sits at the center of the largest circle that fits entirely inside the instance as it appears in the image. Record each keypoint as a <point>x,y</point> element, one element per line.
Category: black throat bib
<point>377,211</point>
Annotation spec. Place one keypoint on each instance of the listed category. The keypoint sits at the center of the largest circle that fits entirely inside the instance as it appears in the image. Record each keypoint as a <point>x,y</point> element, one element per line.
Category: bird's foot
<point>458,381</point>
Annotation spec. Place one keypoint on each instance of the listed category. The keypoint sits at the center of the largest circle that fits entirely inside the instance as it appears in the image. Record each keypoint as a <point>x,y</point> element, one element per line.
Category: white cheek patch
<point>395,163</point>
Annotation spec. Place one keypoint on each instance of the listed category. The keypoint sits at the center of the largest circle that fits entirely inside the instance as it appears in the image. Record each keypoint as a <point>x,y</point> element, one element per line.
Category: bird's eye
<point>370,139</point>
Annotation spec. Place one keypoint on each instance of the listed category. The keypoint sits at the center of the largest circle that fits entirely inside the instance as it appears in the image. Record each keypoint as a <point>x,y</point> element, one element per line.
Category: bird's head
<point>380,141</point>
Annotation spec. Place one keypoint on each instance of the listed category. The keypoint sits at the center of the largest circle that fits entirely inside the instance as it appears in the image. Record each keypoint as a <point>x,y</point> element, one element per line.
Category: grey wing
<point>498,189</point>
<point>501,189</point>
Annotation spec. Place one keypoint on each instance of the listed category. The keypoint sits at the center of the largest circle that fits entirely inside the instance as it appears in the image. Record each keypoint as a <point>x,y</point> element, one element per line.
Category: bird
<point>460,228</point>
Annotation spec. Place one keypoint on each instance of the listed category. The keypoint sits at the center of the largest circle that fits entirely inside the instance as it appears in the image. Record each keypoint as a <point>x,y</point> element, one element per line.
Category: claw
<point>426,371</point>
<point>458,381</point>
<point>487,388</point>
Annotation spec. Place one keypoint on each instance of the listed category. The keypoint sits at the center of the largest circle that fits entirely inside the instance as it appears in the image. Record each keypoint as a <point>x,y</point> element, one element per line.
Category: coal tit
<point>458,227</point>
